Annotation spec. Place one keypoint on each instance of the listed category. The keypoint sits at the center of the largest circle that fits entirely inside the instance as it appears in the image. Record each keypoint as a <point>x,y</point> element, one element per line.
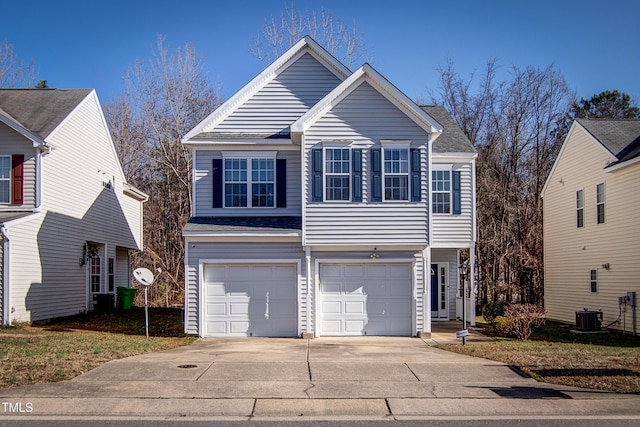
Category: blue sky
<point>89,44</point>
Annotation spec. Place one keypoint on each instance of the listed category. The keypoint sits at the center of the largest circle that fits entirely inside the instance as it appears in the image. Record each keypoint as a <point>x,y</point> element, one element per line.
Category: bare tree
<point>280,33</point>
<point>166,96</point>
<point>13,71</point>
<point>514,124</point>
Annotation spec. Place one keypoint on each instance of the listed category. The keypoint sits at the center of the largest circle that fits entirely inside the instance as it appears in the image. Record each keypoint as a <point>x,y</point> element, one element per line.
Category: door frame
<point>442,290</point>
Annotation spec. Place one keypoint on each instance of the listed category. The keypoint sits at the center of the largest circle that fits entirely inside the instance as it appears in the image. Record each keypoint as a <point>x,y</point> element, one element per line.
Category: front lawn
<point>66,348</point>
<point>609,362</point>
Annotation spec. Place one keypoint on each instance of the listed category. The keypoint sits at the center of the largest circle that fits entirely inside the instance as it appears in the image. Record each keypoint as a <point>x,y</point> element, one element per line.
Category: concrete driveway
<point>362,377</point>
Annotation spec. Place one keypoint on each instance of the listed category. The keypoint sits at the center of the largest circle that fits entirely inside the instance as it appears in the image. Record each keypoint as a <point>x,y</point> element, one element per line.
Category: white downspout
<point>426,291</point>
<point>6,268</point>
<point>472,284</point>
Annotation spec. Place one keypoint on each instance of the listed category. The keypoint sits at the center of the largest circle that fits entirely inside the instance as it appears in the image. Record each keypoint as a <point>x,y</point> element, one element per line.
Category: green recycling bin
<point>124,299</point>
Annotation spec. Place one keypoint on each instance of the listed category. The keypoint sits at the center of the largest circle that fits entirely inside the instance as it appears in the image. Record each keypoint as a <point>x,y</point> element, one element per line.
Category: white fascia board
<point>201,236</point>
<point>135,193</point>
<point>453,157</point>
<point>37,142</point>
<point>214,143</point>
<point>622,165</point>
<point>383,86</point>
<point>258,82</point>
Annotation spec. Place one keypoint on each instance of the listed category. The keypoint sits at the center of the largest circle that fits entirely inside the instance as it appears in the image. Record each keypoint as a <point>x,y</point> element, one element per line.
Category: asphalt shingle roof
<point>40,110</point>
<point>452,139</point>
<point>620,137</point>
<point>244,224</point>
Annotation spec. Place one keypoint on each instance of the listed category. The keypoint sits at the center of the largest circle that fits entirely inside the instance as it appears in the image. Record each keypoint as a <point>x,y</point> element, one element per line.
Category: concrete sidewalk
<point>324,378</point>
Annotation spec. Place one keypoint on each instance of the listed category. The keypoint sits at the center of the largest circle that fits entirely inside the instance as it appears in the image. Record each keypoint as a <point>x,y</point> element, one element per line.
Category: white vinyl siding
<point>365,117</point>
<point>451,229</point>
<point>283,100</point>
<point>570,252</point>
<point>47,279</point>
<point>11,142</point>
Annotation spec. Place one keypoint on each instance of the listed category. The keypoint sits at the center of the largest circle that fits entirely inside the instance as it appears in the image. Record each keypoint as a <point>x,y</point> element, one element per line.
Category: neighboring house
<point>591,223</point>
<point>68,219</point>
<point>321,198</point>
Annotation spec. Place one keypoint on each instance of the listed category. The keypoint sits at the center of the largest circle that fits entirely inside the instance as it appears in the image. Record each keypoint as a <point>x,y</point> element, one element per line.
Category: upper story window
<point>249,182</point>
<point>337,173</point>
<point>5,179</point>
<point>441,191</point>
<point>600,201</point>
<point>396,174</point>
<point>580,208</point>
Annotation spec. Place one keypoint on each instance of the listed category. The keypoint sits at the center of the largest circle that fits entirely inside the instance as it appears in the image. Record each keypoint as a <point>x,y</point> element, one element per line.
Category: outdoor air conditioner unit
<point>588,320</point>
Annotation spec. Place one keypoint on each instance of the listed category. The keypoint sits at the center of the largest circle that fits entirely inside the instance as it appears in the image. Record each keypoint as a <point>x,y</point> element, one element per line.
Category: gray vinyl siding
<point>204,187</point>
<point>123,270</point>
<point>210,251</point>
<point>456,229</point>
<point>11,142</point>
<point>283,100</point>
<point>364,118</point>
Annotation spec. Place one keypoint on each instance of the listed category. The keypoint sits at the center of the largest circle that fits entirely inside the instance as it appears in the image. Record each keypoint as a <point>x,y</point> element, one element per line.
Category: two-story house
<point>591,224</point>
<point>68,218</point>
<point>325,202</point>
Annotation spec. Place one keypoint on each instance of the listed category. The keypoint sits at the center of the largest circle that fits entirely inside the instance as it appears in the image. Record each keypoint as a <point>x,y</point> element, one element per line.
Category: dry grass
<point>70,347</point>
<point>609,362</point>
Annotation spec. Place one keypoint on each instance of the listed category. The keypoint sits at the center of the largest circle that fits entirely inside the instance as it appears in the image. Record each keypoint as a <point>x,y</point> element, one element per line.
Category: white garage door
<point>365,299</point>
<point>257,300</point>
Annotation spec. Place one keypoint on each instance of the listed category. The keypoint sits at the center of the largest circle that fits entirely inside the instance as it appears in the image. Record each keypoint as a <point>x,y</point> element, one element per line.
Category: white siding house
<point>312,212</point>
<point>68,219</point>
<point>592,226</point>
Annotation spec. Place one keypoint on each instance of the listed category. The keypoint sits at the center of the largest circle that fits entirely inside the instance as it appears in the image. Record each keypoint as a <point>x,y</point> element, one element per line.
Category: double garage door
<point>365,299</point>
<point>243,300</point>
<point>261,300</point>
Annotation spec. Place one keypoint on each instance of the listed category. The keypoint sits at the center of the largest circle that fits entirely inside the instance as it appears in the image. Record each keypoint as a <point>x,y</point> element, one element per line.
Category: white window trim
<point>8,202</point>
<point>604,202</point>
<point>248,156</point>
<point>582,208</point>
<point>591,291</point>
<point>446,168</point>
<point>388,144</point>
<point>325,174</point>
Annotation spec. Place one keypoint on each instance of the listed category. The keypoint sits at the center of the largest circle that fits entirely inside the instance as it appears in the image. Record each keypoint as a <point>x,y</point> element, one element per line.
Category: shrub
<point>491,311</point>
<point>523,319</point>
<point>502,325</point>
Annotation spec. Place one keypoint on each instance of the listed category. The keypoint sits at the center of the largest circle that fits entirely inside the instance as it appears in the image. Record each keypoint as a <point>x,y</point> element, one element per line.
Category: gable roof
<point>305,45</point>
<point>383,86</point>
<point>618,136</point>
<point>452,139</point>
<point>40,111</point>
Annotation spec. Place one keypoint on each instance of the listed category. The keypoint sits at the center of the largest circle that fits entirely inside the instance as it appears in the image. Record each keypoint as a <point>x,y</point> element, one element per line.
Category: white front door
<point>365,299</point>
<point>257,300</point>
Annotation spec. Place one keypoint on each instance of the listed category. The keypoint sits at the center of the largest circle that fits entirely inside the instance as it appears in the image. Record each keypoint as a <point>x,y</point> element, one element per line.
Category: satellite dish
<point>143,276</point>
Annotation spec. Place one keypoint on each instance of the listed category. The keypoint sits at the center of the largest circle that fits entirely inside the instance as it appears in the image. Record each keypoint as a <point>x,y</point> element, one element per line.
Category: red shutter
<point>17,179</point>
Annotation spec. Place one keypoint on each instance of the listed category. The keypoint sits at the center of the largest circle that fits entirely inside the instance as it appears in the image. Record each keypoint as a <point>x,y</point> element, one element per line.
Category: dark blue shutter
<point>376,175</point>
<point>316,160</point>
<point>457,202</point>
<point>281,183</point>
<point>356,195</point>
<point>416,188</point>
<point>217,183</point>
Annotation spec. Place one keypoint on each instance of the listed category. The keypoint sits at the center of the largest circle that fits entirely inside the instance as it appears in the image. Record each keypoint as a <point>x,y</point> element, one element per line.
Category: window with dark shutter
<point>376,175</point>
<point>217,183</point>
<point>316,160</point>
<point>416,188</point>
<point>281,183</point>
<point>357,176</point>
<point>17,179</point>
<point>457,196</point>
